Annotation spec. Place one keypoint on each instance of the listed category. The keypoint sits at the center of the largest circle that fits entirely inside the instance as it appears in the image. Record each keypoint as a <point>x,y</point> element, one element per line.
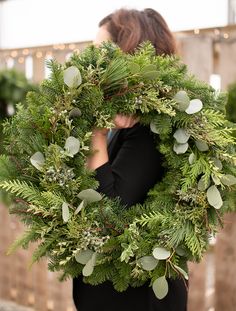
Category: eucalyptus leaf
<point>154,128</point>
<point>84,256</point>
<point>150,72</point>
<point>65,212</point>
<point>195,106</point>
<point>75,113</point>
<point>72,145</point>
<point>89,267</point>
<point>148,263</point>
<point>214,197</point>
<point>180,148</point>
<point>184,273</point>
<point>192,158</point>
<point>37,160</point>
<point>149,68</point>
<point>202,185</point>
<point>79,208</point>
<point>181,136</point>
<point>161,253</point>
<point>72,77</point>
<point>90,195</point>
<point>217,163</point>
<point>201,145</point>
<point>182,100</point>
<point>134,68</point>
<point>228,180</point>
<point>215,179</point>
<point>180,250</point>
<point>151,75</point>
<point>160,287</point>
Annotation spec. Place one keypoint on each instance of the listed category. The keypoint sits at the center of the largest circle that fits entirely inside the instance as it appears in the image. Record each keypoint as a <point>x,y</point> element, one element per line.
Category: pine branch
<point>23,190</point>
<point>45,247</point>
<point>27,237</point>
<point>7,168</point>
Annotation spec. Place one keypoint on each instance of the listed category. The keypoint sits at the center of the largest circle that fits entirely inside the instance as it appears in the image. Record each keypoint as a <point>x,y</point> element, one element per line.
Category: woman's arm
<point>99,149</point>
<point>99,141</point>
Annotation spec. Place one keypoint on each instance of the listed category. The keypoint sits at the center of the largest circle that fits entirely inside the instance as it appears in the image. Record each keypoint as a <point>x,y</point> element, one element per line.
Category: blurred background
<point>32,31</point>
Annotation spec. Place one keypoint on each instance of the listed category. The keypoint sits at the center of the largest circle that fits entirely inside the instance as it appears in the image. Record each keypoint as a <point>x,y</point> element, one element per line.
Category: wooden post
<point>227,59</point>
<point>226,266</point>
<point>196,295</point>
<point>41,285</point>
<point>196,53</point>
<point>5,263</point>
<point>38,69</point>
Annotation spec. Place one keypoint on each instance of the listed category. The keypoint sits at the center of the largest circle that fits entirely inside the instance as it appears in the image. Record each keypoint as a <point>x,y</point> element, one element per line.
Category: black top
<point>134,167</point>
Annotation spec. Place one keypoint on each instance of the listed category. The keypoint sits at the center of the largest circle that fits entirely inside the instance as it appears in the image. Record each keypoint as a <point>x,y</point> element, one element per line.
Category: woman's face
<point>102,35</point>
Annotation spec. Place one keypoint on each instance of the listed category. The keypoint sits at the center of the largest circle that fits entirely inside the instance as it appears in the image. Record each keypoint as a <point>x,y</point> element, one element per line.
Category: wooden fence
<point>207,52</point>
<point>36,286</point>
<point>40,289</point>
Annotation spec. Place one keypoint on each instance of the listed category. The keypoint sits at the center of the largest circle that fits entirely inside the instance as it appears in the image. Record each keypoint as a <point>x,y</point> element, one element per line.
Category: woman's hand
<point>99,140</point>
<point>120,121</point>
<point>124,121</point>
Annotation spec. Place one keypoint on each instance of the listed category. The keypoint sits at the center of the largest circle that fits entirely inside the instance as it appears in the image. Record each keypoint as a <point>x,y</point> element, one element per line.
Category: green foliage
<point>7,168</point>
<point>13,89</point>
<point>22,189</point>
<point>231,103</point>
<point>177,216</point>
<point>27,237</point>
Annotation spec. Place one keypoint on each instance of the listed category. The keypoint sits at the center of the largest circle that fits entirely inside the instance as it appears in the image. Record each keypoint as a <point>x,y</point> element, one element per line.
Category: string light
<point>25,52</point>
<point>39,54</point>
<point>14,54</point>
<point>21,60</point>
<point>226,35</point>
<point>217,32</point>
<point>20,54</point>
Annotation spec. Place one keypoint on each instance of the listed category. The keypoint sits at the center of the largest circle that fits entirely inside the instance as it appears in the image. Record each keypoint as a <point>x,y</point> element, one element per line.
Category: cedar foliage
<point>176,216</point>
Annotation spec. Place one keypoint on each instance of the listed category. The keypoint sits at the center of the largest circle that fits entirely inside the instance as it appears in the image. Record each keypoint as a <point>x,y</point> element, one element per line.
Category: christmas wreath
<point>84,232</point>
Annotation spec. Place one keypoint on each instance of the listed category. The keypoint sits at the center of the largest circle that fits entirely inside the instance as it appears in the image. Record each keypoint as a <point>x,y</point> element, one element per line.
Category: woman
<point>128,165</point>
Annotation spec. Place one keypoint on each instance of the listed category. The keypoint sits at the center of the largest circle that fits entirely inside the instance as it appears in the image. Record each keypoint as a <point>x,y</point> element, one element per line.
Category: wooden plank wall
<point>40,289</point>
<point>36,286</point>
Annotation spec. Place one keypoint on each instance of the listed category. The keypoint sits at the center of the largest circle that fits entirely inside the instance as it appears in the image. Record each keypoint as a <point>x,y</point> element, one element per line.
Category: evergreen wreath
<point>82,231</point>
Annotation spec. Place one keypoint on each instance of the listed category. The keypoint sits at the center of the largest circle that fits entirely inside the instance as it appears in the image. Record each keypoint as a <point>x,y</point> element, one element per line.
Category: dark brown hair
<point>129,28</point>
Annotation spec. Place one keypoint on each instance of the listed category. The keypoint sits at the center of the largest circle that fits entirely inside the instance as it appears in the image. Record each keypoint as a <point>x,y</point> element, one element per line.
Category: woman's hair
<point>129,28</point>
